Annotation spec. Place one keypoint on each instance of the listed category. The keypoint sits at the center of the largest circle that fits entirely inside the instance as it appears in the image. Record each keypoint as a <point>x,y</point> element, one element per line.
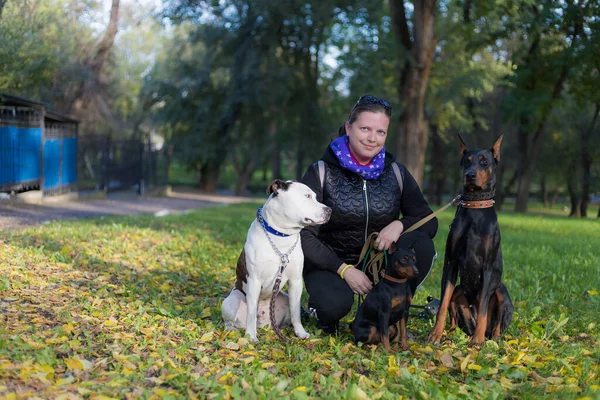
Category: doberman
<point>480,305</point>
<point>388,302</point>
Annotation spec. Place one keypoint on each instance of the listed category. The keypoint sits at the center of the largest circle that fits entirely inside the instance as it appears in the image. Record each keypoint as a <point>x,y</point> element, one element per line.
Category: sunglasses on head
<point>368,99</point>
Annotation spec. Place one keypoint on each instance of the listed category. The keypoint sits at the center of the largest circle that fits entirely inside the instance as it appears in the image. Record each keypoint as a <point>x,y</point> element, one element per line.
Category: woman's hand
<point>357,280</point>
<point>389,235</point>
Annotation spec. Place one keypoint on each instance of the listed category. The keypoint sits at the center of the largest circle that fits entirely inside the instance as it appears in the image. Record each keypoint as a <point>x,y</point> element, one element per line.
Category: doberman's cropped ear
<point>276,185</point>
<point>496,148</point>
<point>463,146</point>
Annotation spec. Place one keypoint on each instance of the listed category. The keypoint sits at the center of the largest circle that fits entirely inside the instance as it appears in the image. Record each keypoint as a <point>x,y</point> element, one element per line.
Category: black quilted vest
<point>359,206</point>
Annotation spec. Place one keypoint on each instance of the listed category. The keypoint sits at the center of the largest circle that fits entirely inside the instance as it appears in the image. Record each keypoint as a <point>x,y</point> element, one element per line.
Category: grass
<point>129,307</point>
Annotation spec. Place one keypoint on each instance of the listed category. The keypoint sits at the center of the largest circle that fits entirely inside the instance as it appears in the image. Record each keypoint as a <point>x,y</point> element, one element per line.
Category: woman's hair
<point>366,103</point>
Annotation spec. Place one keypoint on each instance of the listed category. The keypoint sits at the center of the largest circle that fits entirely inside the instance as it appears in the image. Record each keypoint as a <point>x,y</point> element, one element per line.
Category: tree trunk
<point>574,197</point>
<point>89,101</point>
<point>438,168</point>
<point>244,172</point>
<point>502,190</point>
<point>275,150</point>
<point>586,162</point>
<point>300,163</point>
<point>529,158</point>
<point>414,73</point>
<point>208,178</point>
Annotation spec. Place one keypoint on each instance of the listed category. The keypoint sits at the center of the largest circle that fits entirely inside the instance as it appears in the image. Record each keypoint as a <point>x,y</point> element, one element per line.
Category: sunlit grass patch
<point>130,307</point>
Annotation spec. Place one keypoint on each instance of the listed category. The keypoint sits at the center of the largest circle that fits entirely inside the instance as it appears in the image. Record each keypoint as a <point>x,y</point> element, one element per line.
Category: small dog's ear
<point>463,146</point>
<point>275,186</point>
<point>496,148</point>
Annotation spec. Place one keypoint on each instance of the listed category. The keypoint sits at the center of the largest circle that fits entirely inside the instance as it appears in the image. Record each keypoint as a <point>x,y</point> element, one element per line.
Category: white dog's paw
<point>301,333</point>
<point>252,339</point>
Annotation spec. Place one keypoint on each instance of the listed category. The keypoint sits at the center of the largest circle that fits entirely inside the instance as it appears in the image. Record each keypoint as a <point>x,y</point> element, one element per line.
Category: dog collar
<point>477,204</point>
<point>267,227</point>
<point>391,278</point>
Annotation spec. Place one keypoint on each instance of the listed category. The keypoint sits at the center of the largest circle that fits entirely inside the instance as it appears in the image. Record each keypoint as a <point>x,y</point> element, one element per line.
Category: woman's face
<point>367,135</point>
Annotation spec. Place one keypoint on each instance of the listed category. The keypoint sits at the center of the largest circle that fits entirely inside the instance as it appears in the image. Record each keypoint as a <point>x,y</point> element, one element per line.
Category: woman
<point>362,188</point>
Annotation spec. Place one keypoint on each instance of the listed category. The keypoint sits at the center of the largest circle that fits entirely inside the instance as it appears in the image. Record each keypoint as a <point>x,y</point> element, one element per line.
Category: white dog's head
<point>292,204</point>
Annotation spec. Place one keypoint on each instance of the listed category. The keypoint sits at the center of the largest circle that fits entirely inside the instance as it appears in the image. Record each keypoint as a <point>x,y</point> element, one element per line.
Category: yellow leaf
<point>392,366</point>
<point>165,287</point>
<point>277,353</point>
<point>232,346</point>
<point>242,342</point>
<point>78,363</point>
<point>517,359</point>
<point>595,387</point>
<point>64,381</point>
<point>463,364</point>
<point>266,365</point>
<point>207,337</point>
<point>205,313</point>
<point>225,377</point>
<point>58,340</point>
<point>73,363</point>
<point>302,388</point>
<point>110,323</point>
<point>505,383</point>
<point>11,396</point>
<point>33,344</point>
<point>474,367</point>
<point>68,328</point>
<point>554,380</point>
<point>357,393</point>
<point>592,292</point>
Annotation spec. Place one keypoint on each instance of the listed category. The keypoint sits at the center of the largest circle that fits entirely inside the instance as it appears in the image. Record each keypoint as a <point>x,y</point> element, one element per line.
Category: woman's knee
<point>329,295</point>
<point>330,309</point>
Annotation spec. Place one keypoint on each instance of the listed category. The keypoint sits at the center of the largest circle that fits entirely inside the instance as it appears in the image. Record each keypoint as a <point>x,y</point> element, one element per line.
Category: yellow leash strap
<point>430,216</point>
<point>373,263</point>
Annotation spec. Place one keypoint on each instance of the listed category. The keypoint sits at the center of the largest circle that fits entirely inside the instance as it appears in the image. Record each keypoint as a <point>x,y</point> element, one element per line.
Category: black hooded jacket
<point>359,207</point>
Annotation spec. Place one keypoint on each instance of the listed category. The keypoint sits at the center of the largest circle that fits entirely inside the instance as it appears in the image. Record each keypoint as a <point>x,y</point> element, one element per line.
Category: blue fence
<point>19,155</point>
<point>32,157</point>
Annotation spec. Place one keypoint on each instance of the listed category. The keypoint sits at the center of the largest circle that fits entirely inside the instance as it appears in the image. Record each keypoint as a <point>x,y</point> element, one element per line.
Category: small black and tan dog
<point>480,305</point>
<point>387,304</point>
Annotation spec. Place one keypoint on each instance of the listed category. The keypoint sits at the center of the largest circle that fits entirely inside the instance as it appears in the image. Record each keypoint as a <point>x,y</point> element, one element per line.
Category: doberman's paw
<point>475,342</point>
<point>435,338</point>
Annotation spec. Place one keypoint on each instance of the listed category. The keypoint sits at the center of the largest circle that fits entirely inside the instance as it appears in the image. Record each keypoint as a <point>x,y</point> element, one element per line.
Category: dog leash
<point>285,260</point>
<point>372,260</point>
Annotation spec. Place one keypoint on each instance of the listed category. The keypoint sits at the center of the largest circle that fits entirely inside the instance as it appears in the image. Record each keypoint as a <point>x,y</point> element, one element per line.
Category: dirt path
<point>20,215</point>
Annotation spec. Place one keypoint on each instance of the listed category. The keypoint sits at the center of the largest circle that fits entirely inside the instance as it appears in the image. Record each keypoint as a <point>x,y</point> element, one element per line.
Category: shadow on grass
<point>179,264</point>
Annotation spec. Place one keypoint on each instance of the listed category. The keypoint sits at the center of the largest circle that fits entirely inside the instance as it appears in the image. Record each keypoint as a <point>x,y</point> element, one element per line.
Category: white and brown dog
<point>273,247</point>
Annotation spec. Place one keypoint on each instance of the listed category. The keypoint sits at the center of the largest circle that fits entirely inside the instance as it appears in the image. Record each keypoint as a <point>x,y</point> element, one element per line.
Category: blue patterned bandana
<point>342,152</point>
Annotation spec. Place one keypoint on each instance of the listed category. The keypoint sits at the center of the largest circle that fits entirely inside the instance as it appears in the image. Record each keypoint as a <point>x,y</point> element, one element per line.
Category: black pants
<point>331,296</point>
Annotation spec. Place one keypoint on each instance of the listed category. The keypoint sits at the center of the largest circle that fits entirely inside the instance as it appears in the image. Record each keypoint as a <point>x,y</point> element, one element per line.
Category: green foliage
<point>129,307</point>
<point>40,43</point>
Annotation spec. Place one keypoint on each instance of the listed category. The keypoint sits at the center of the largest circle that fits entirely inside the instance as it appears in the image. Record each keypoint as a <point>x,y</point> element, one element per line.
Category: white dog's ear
<point>276,185</point>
